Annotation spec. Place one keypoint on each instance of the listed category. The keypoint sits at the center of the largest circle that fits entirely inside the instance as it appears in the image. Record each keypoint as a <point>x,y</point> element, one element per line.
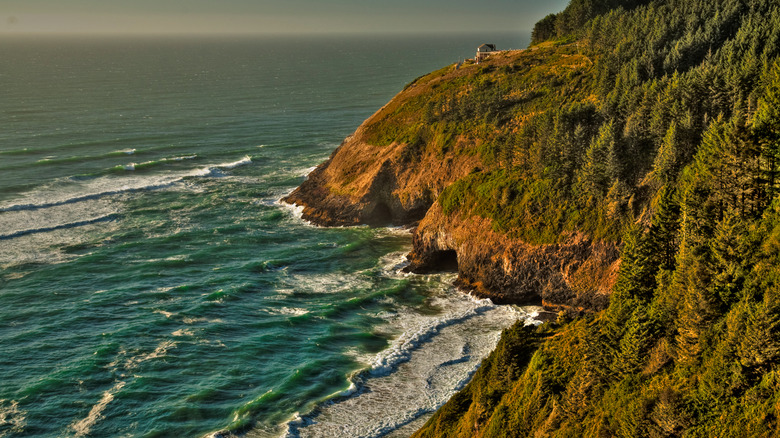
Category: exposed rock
<point>578,273</point>
<point>365,184</point>
<point>362,183</point>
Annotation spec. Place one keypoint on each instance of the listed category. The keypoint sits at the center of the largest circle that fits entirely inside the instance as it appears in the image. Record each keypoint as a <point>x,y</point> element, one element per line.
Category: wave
<point>401,350</point>
<point>423,368</point>
<point>87,197</point>
<point>12,419</point>
<point>152,163</point>
<point>215,170</point>
<point>242,162</point>
<point>23,151</point>
<point>392,265</point>
<point>53,159</point>
<point>160,351</point>
<point>432,359</point>
<point>82,427</point>
<point>294,210</point>
<point>305,172</point>
<point>165,181</point>
<point>21,233</point>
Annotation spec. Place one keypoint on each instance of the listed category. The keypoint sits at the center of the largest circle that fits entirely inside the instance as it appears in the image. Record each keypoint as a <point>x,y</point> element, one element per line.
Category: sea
<point>152,284</point>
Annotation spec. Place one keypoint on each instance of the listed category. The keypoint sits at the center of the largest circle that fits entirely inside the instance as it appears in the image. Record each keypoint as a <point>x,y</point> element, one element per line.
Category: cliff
<point>626,165</point>
<point>376,185</point>
<point>678,159</point>
<point>396,165</point>
<point>578,272</point>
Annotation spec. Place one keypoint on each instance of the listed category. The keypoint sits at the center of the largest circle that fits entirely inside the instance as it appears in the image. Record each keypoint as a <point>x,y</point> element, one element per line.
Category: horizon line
<point>501,32</point>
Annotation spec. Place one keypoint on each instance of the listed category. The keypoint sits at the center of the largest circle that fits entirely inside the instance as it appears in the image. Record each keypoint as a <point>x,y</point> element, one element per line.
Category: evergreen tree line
<point>670,144</point>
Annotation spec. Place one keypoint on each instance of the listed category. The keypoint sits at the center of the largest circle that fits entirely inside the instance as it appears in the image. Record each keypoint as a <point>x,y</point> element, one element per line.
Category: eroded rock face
<point>578,273</point>
<point>366,184</point>
<point>398,184</point>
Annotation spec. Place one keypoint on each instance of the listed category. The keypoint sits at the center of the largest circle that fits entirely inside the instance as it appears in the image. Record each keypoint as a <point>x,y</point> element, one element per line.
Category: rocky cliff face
<point>365,184</point>
<point>398,183</point>
<point>377,185</point>
<point>578,273</point>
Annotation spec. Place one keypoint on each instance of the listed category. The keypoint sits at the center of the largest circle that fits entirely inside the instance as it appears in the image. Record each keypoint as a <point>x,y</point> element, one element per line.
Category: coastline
<point>411,380</point>
<point>590,175</point>
<point>364,185</point>
<point>391,369</point>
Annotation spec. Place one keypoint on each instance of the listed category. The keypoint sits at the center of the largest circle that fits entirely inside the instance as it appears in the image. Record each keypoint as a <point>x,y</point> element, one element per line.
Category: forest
<point>656,125</point>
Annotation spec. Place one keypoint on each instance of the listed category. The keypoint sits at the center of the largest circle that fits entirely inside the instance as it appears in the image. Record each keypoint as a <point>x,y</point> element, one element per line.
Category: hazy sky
<point>271,16</point>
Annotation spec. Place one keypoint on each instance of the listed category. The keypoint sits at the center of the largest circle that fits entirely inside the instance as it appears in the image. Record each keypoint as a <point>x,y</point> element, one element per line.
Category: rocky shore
<point>362,183</point>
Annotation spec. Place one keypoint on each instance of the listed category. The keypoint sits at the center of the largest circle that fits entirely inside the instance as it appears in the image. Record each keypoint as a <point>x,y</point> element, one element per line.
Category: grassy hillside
<point>655,124</point>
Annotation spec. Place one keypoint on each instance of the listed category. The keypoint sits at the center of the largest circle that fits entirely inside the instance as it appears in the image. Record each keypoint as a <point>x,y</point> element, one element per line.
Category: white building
<point>484,51</point>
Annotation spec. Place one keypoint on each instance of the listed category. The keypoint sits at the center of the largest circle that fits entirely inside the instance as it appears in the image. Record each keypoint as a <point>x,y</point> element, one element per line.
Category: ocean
<point>151,282</point>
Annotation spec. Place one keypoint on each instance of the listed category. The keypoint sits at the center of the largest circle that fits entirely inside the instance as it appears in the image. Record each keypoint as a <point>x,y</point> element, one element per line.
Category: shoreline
<point>400,358</point>
<point>396,385</point>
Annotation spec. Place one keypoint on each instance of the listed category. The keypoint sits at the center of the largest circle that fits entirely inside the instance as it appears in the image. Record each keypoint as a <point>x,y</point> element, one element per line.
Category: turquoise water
<point>153,285</point>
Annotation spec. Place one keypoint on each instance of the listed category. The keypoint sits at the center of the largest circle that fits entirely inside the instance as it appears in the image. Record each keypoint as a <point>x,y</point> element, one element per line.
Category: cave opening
<point>380,215</point>
<point>445,261</point>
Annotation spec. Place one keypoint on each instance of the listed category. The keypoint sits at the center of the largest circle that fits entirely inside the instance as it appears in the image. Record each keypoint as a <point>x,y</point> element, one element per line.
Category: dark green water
<point>152,284</point>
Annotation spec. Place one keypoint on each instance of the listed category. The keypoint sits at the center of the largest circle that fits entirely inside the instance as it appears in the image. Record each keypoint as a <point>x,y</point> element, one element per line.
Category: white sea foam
<point>306,171</point>
<point>48,247</point>
<point>164,313</point>
<point>160,351</point>
<point>403,347</point>
<point>183,332</point>
<point>294,210</point>
<point>349,391</point>
<point>327,283</point>
<point>216,170</point>
<point>67,191</point>
<point>182,158</point>
<point>190,321</point>
<point>61,226</point>
<point>12,419</point>
<point>83,426</point>
<point>242,162</point>
<point>394,231</point>
<point>432,358</point>
<point>392,264</point>
<point>291,311</point>
<point>202,171</point>
<point>134,166</point>
<point>38,224</point>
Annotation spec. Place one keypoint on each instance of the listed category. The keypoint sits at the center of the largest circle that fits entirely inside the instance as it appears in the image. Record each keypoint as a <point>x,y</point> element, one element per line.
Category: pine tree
<point>662,238</point>
<point>667,160</point>
<point>728,258</point>
<point>766,128</point>
<point>599,169</point>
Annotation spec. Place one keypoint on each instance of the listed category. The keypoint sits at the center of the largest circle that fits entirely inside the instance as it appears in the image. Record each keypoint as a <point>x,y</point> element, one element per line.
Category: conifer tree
<point>598,170</point>
<point>665,165</point>
<point>766,126</point>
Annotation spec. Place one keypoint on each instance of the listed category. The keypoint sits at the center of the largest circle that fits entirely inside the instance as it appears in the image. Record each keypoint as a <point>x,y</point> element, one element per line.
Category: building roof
<point>486,48</point>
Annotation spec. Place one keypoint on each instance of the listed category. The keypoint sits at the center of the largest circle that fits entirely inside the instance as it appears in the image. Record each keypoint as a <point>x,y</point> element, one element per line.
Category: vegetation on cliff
<point>664,134</point>
<point>653,126</point>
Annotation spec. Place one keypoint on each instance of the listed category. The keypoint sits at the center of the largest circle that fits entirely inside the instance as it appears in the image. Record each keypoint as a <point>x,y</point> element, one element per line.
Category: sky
<point>270,16</point>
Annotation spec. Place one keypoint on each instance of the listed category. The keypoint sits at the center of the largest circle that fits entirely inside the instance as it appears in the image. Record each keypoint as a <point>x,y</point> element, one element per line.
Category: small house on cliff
<point>484,51</point>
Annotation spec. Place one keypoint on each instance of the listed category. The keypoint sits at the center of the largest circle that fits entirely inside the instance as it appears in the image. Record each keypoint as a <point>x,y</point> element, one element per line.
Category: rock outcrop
<point>578,273</point>
<point>399,183</point>
<point>365,184</point>
<point>357,187</point>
